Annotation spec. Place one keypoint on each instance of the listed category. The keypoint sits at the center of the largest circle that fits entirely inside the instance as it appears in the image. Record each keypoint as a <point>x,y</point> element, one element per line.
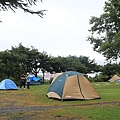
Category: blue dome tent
<point>8,84</point>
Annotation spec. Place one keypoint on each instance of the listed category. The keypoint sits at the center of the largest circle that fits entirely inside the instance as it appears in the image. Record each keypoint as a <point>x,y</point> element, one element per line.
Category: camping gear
<point>115,78</point>
<point>71,85</point>
<point>8,84</point>
<point>35,80</point>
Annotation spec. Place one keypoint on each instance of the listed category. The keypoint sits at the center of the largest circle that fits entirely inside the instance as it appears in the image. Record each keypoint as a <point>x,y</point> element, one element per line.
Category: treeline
<point>21,59</point>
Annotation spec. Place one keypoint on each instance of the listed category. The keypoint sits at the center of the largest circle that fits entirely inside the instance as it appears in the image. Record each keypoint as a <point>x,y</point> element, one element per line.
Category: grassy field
<point>16,102</point>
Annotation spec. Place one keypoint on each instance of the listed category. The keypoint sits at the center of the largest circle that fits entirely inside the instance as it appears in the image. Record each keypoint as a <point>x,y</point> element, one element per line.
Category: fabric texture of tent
<point>71,85</point>
<point>55,76</point>
<point>115,78</point>
<point>8,84</point>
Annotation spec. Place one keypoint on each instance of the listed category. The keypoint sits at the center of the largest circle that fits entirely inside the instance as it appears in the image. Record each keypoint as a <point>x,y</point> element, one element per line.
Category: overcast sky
<point>63,30</point>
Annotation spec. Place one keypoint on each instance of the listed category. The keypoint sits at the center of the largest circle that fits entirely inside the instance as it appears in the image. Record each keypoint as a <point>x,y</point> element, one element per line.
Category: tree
<point>90,65</point>
<point>109,70</point>
<point>20,4</point>
<point>9,65</point>
<point>30,59</point>
<point>75,64</point>
<point>81,64</point>
<point>21,60</point>
<point>105,31</point>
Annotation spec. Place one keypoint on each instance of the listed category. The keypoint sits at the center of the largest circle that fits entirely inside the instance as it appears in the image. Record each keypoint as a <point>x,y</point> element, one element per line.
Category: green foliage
<point>111,69</point>
<point>100,78</point>
<point>9,64</point>
<point>47,81</point>
<point>81,64</point>
<point>22,59</point>
<point>108,71</point>
<point>30,59</point>
<point>91,79</point>
<point>105,31</point>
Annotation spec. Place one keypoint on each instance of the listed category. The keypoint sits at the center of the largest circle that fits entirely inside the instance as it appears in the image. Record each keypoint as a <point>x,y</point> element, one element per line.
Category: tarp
<point>8,84</point>
<point>36,79</point>
<point>33,78</point>
<point>71,85</point>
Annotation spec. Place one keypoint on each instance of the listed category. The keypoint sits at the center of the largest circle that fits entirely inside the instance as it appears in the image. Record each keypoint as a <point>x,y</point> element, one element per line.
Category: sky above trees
<point>63,30</point>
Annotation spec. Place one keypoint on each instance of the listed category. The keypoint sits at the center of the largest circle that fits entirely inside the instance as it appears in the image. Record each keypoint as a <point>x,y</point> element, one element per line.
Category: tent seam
<point>80,87</point>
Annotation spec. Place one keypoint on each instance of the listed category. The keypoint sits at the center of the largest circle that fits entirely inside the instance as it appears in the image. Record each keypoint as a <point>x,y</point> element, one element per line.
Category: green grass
<point>108,91</point>
<point>80,109</point>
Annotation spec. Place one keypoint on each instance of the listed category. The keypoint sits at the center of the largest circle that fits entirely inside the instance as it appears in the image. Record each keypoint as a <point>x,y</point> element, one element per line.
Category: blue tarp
<point>36,79</point>
<point>31,78</point>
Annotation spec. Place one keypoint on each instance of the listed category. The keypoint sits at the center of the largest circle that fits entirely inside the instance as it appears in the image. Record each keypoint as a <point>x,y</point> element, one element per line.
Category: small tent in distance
<point>115,78</point>
<point>8,84</point>
<point>72,85</point>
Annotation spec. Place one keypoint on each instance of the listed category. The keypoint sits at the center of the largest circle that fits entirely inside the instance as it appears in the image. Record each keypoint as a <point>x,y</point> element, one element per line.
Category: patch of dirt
<point>41,108</point>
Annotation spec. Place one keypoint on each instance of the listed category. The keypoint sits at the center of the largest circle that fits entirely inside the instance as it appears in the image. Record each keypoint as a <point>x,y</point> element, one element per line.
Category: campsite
<point>33,104</point>
<point>79,40</point>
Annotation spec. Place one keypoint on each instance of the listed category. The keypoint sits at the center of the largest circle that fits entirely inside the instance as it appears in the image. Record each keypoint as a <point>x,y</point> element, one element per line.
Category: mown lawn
<point>107,107</point>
